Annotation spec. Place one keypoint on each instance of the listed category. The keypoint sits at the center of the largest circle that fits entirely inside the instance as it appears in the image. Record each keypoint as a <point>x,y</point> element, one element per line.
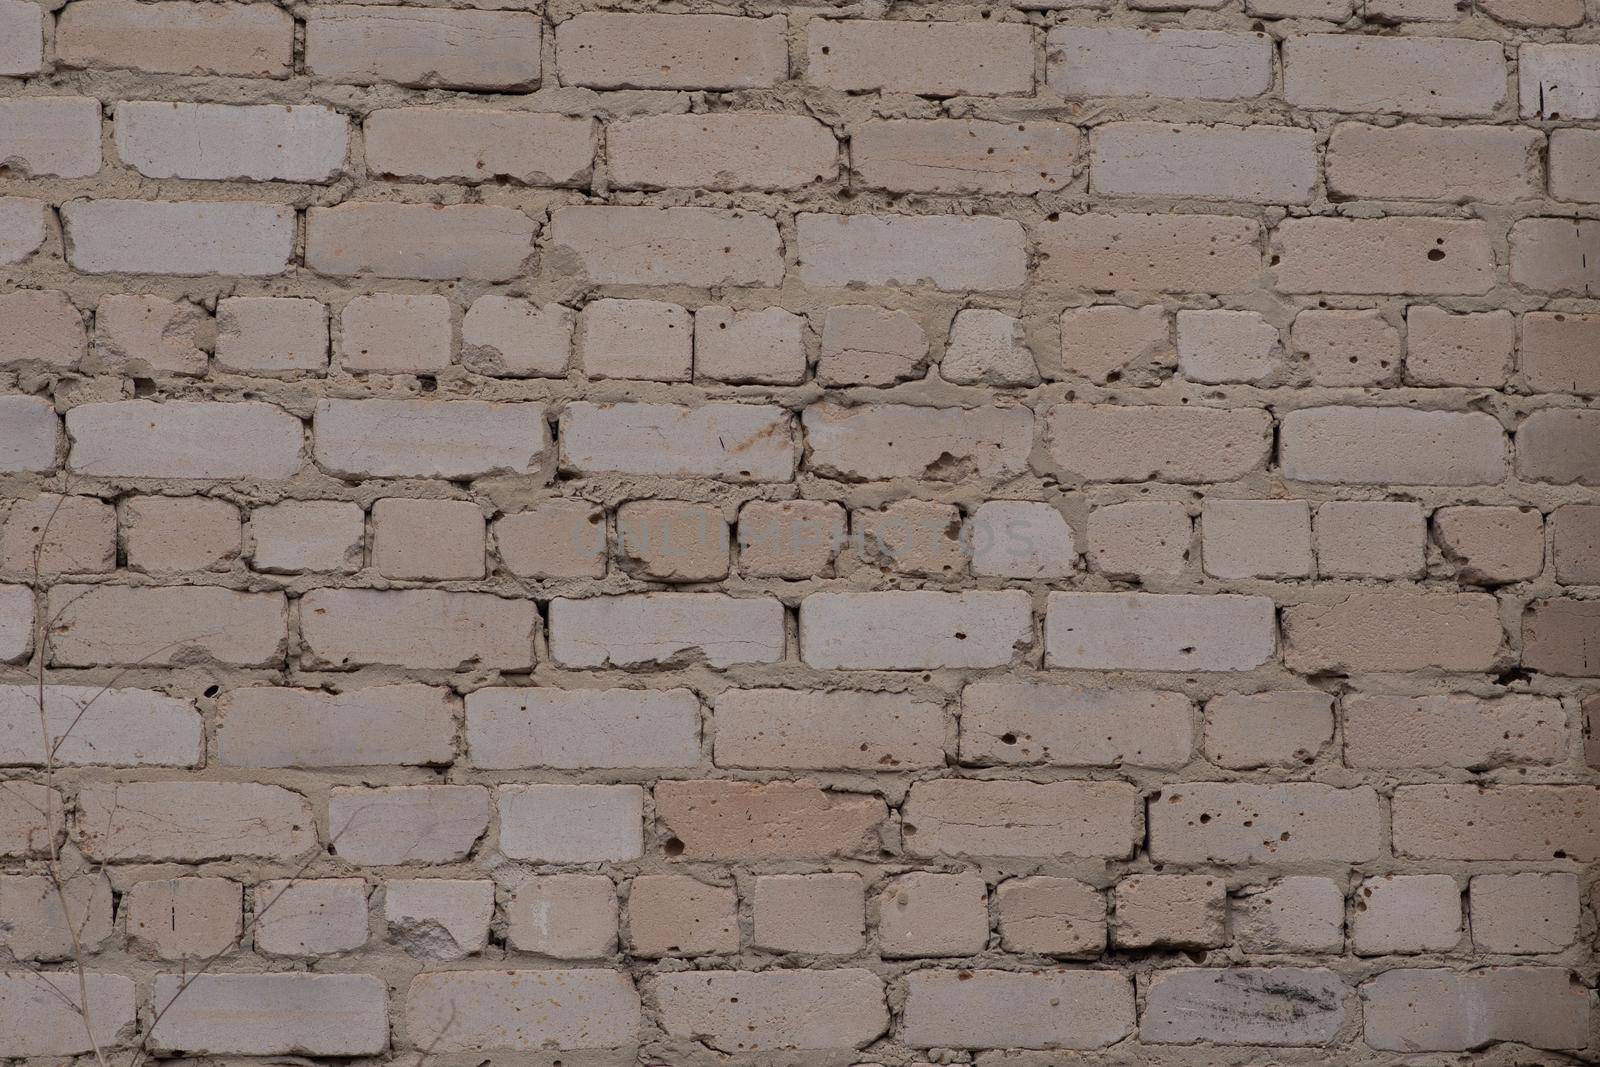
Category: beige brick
<point>1140,537</point>
<point>1560,445</point>
<point>654,628</point>
<point>1392,255</point>
<point>455,439</point>
<point>737,442</point>
<point>57,136</point>
<point>1558,81</point>
<point>1108,343</point>
<point>987,348</point>
<point>479,145</point>
<point>439,918</point>
<point>580,728</point>
<point>1450,163</point>
<point>416,628</point>
<point>571,823</point>
<point>913,629</point>
<point>91,725</point>
<point>1244,731</point>
<point>1021,539</point>
<point>1152,253</point>
<point>473,1011</point>
<point>790,539</point>
<point>177,38</point>
<point>1017,1009</point>
<point>164,535</point>
<point>1447,349</point>
<point>401,724</point>
<point>39,1014</point>
<point>665,245</point>
<point>271,335</point>
<point>1403,630</point>
<point>395,334</point>
<point>1095,61</point>
<point>1525,913</point>
<point>720,151</point>
<point>29,430</point>
<point>187,821</point>
<point>1413,75</point>
<point>1240,823</point>
<point>40,326</point>
<point>148,336</point>
<point>954,817</point>
<point>16,623</point>
<point>1557,352</point>
<point>928,914</point>
<point>1452,731</point>
<point>1514,822</point>
<point>307,535</point>
<point>184,918</point>
<point>428,539</point>
<point>1535,12</point>
<point>1256,538</point>
<point>613,50</point>
<point>310,917</point>
<point>964,156</point>
<point>1154,632</point>
<point>553,539</point>
<point>512,338</point>
<point>1574,164</point>
<point>645,339</point>
<point>949,252</point>
<point>1562,637</point>
<point>1557,255</point>
<point>1406,914</point>
<point>24,224</point>
<point>865,345</point>
<point>1491,544</point>
<point>1068,726</point>
<point>564,916</point>
<point>673,540</point>
<point>74,535</point>
<point>23,51</point>
<point>674,915</point>
<point>1297,914</point>
<point>1051,916</point>
<point>426,47</point>
<point>1169,911</point>
<point>39,923</point>
<point>1226,346</point>
<point>1575,529</point>
<point>147,237</point>
<point>1370,539</point>
<point>1391,445</point>
<point>1256,164</point>
<point>809,913</point>
<point>736,1012</point>
<point>1425,1009</point>
<point>271,1014</point>
<point>1244,1006</point>
<point>745,821</point>
<point>148,626</point>
<point>220,142</point>
<point>924,57</point>
<point>1347,348</point>
<point>22,824</point>
<point>406,824</point>
<point>427,241</point>
<point>765,346</point>
<point>939,444</point>
<point>785,728</point>
<point>916,537</point>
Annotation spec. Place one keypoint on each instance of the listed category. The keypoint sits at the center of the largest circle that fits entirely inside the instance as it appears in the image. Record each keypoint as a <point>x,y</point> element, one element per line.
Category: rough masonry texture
<point>714,534</point>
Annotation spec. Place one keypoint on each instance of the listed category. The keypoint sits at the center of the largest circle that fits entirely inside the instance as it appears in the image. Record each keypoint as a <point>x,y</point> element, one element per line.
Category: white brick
<point>913,630</point>
<point>571,823</point>
<point>949,252</point>
<point>271,1014</point>
<point>270,726</point>
<point>738,442</point>
<point>651,628</point>
<point>1153,632</point>
<point>1258,164</point>
<point>428,438</point>
<point>581,728</point>
<point>1092,61</point>
<point>47,135</point>
<point>90,725</point>
<point>1010,723</point>
<point>417,824</point>
<point>149,237</point>
<point>221,142</point>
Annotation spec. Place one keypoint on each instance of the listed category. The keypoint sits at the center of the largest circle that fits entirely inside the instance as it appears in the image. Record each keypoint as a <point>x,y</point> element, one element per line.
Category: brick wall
<point>786,535</point>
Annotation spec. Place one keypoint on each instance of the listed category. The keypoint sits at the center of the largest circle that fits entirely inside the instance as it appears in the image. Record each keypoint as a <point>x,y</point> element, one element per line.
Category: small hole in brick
<point>673,847</point>
<point>1008,739</point>
<point>1436,254</point>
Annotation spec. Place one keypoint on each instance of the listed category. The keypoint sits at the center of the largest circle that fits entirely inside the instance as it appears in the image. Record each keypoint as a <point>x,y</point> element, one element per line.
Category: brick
<point>790,539</point>
<point>1109,343</point>
<point>1556,255</point>
<point>479,145</point>
<point>168,535</point>
<point>23,23</point>
<point>1575,529</point>
<point>307,535</point>
<point>964,156</point>
<point>39,1014</point>
<point>1451,163</point>
<point>1169,911</point>
<point>149,626</point>
<point>22,828</point>
<point>785,728</point>
<point>35,924</point>
<point>1347,348</point>
<point>1401,11</point>
<point>1238,824</point>
<point>1491,544</point>
<point>428,539</point>
<point>1154,632</point>
<point>643,339</point>
<point>473,1011</point>
<point>745,821</point>
<point>1256,538</point>
<point>310,917</point>
<point>1256,164</point>
<point>564,916</point>
<point>90,725</point>
<point>913,629</point>
<point>438,918</point>
<point>1558,81</point>
<point>1403,630</point>
<point>1051,916</point>
<point>1557,352</point>
<point>581,728</point>
<point>1096,61</point>
<point>24,224</point>
<point>1560,445</point>
<point>1424,256</point>
<point>674,915</point>
<point>427,241</point>
<point>271,335</point>
<point>1524,913</point>
<point>735,1012</point>
<point>763,346</point>
<point>1406,914</point>
<point>987,348</point>
<point>1391,445</point>
<point>1370,539</point>
<point>1444,76</point>
<point>1021,539</point>
<point>1452,731</point>
<point>666,245</point>
<point>953,817</point>
<point>147,237</point>
<point>220,142</point>
<point>720,151</point>
<point>1574,164</point>
<point>1226,346</point>
<point>184,918</point>
<point>1426,1009</point>
<point>924,57</point>
<point>1535,12</point>
<point>613,50</point>
<point>406,824</point>
<point>427,48</point>
<point>394,334</point>
<point>1289,728</point>
<point>381,725</point>
<point>1562,637</point>
<point>1008,723</point>
<point>29,430</point>
<point>1447,349</point>
<point>949,252</point>
<point>512,338</point>
<point>1514,822</point>
<point>571,823</point>
<point>74,534</point>
<point>1140,537</point>
<point>41,326</point>
<point>928,914</point>
<point>655,628</point>
<point>457,439</point>
<point>149,336</point>
<point>1296,914</point>
<point>554,539</point>
<point>940,444</point>
<point>1152,253</point>
<point>1017,1009</point>
<point>188,822</point>
<point>416,628</point>
<point>810,913</point>
<point>271,1014</point>
<point>16,623</point>
<point>865,345</point>
<point>913,537</point>
<point>177,38</point>
<point>56,136</point>
<point>1274,1006</point>
<point>738,442</point>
